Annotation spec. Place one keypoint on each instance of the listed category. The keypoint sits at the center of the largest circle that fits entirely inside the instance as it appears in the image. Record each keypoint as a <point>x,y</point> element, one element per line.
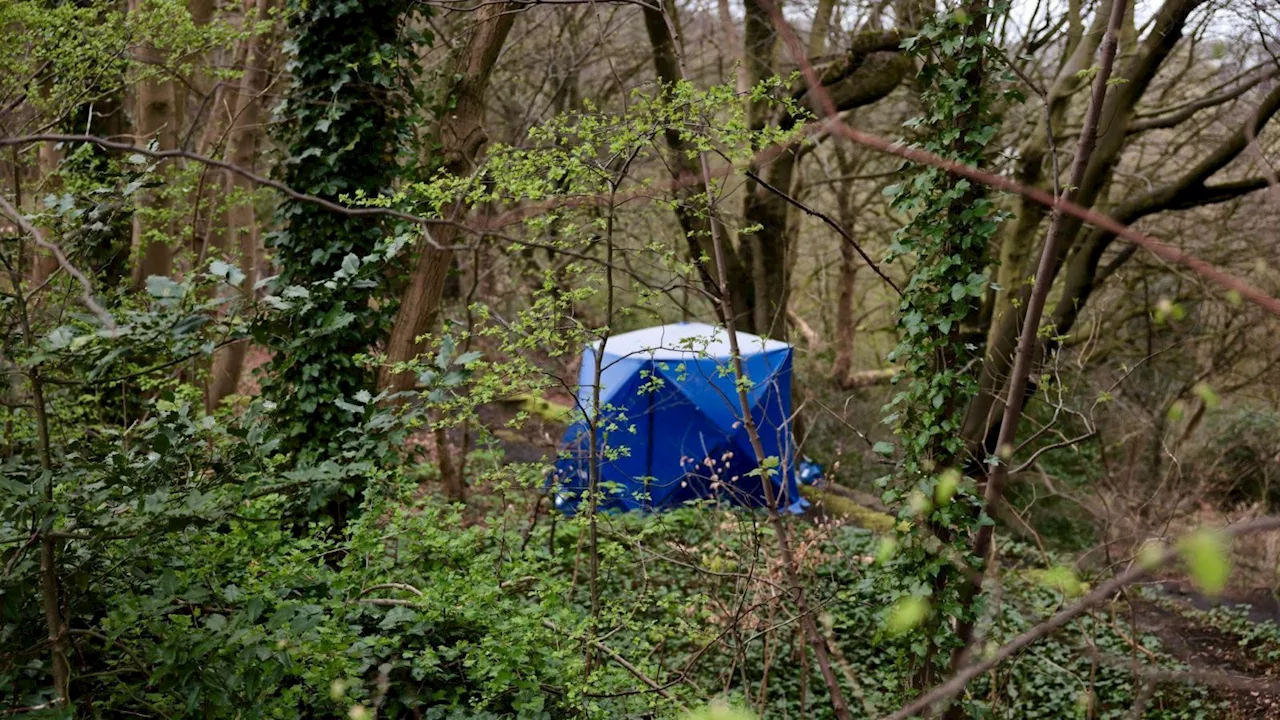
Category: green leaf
<point>226,271</point>
<point>163,288</point>
<point>883,448</point>
<point>906,615</point>
<point>1207,396</point>
<point>946,487</point>
<point>1060,578</point>
<point>887,548</point>
<point>1205,553</point>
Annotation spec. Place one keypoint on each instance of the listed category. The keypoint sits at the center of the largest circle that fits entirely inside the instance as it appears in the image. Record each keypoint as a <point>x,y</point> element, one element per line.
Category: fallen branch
<point>866,378</point>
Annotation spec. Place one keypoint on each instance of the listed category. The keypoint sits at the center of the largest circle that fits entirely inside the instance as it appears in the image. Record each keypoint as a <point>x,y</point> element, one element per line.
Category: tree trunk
<point>155,120</point>
<point>763,209</point>
<point>981,420</point>
<point>241,230</point>
<point>48,158</point>
<point>461,137</point>
<point>845,323</point>
<point>690,190</point>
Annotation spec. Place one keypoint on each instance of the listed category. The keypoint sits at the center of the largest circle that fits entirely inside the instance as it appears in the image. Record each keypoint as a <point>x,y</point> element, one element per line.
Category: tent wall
<point>663,420</point>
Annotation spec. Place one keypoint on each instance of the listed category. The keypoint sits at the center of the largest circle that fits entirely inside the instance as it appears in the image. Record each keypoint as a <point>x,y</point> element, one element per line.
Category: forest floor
<point>1219,656</point>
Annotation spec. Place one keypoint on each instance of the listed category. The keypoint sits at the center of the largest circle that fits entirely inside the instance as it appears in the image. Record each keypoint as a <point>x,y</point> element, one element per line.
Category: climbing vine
<point>952,223</point>
<point>343,123</point>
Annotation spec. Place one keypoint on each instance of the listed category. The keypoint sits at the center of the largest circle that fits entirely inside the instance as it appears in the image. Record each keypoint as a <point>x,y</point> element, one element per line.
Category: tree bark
<point>155,120</point>
<point>48,158</point>
<point>461,137</point>
<point>845,328</point>
<point>870,70</point>
<point>1189,190</point>
<point>1029,336</point>
<point>980,424</point>
<point>690,190</point>
<point>241,229</point>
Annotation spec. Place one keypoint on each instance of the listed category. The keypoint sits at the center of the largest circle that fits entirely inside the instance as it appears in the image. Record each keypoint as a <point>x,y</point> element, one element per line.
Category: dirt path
<point>1215,651</point>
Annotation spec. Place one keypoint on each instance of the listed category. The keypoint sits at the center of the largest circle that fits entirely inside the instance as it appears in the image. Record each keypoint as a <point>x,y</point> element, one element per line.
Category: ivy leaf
<point>163,288</point>
<point>886,550</point>
<point>357,409</point>
<point>350,265</point>
<point>883,448</point>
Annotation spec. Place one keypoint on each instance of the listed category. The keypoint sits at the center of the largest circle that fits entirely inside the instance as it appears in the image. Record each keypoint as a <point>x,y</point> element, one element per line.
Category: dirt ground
<point>1249,688</point>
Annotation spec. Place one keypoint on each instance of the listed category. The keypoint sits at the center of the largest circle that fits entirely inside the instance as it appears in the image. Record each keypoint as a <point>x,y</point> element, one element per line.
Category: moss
<point>543,408</point>
<point>864,517</point>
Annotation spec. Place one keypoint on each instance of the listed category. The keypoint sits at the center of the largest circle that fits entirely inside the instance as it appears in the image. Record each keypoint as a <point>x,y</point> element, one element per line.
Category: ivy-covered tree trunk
<point>953,222</point>
<point>342,123</point>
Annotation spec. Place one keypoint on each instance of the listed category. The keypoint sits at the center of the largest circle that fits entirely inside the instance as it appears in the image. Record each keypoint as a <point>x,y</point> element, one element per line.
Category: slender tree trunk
<point>663,26</point>
<point>1029,337</point>
<point>845,323</point>
<point>461,137</point>
<point>243,144</point>
<point>155,120</point>
<point>218,115</point>
<point>733,42</point>
<point>726,309</point>
<point>1016,256</point>
<point>821,26</point>
<point>764,209</point>
<point>48,158</point>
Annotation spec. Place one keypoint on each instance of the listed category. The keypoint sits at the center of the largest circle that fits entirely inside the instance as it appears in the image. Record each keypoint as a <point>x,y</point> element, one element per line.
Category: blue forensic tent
<point>670,430</point>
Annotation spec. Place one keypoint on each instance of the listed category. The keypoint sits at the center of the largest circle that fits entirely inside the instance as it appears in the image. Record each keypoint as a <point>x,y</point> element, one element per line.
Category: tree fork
<point>1028,340</point>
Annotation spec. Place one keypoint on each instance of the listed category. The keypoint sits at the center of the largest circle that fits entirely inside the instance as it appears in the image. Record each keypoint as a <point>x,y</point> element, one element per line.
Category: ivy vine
<point>343,124</point>
<point>952,222</point>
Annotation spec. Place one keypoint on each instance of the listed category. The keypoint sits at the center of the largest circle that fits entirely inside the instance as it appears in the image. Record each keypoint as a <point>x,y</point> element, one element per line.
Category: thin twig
<point>36,234</point>
<point>830,223</point>
<point>232,168</point>
<point>625,664</point>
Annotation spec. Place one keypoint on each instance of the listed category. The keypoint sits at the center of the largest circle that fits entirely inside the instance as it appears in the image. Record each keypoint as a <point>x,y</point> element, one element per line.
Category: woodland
<point>294,296</point>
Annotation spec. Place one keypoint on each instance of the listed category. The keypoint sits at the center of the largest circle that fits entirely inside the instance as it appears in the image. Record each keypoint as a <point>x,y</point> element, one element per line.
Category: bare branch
<point>1106,590</point>
<point>830,223</point>
<point>86,295</point>
<point>229,167</point>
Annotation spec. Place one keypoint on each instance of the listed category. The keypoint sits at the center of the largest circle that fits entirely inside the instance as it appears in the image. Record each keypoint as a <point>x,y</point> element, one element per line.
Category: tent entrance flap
<point>671,431</point>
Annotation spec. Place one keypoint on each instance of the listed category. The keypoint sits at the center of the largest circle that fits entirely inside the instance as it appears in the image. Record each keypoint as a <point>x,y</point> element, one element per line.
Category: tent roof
<point>686,341</point>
